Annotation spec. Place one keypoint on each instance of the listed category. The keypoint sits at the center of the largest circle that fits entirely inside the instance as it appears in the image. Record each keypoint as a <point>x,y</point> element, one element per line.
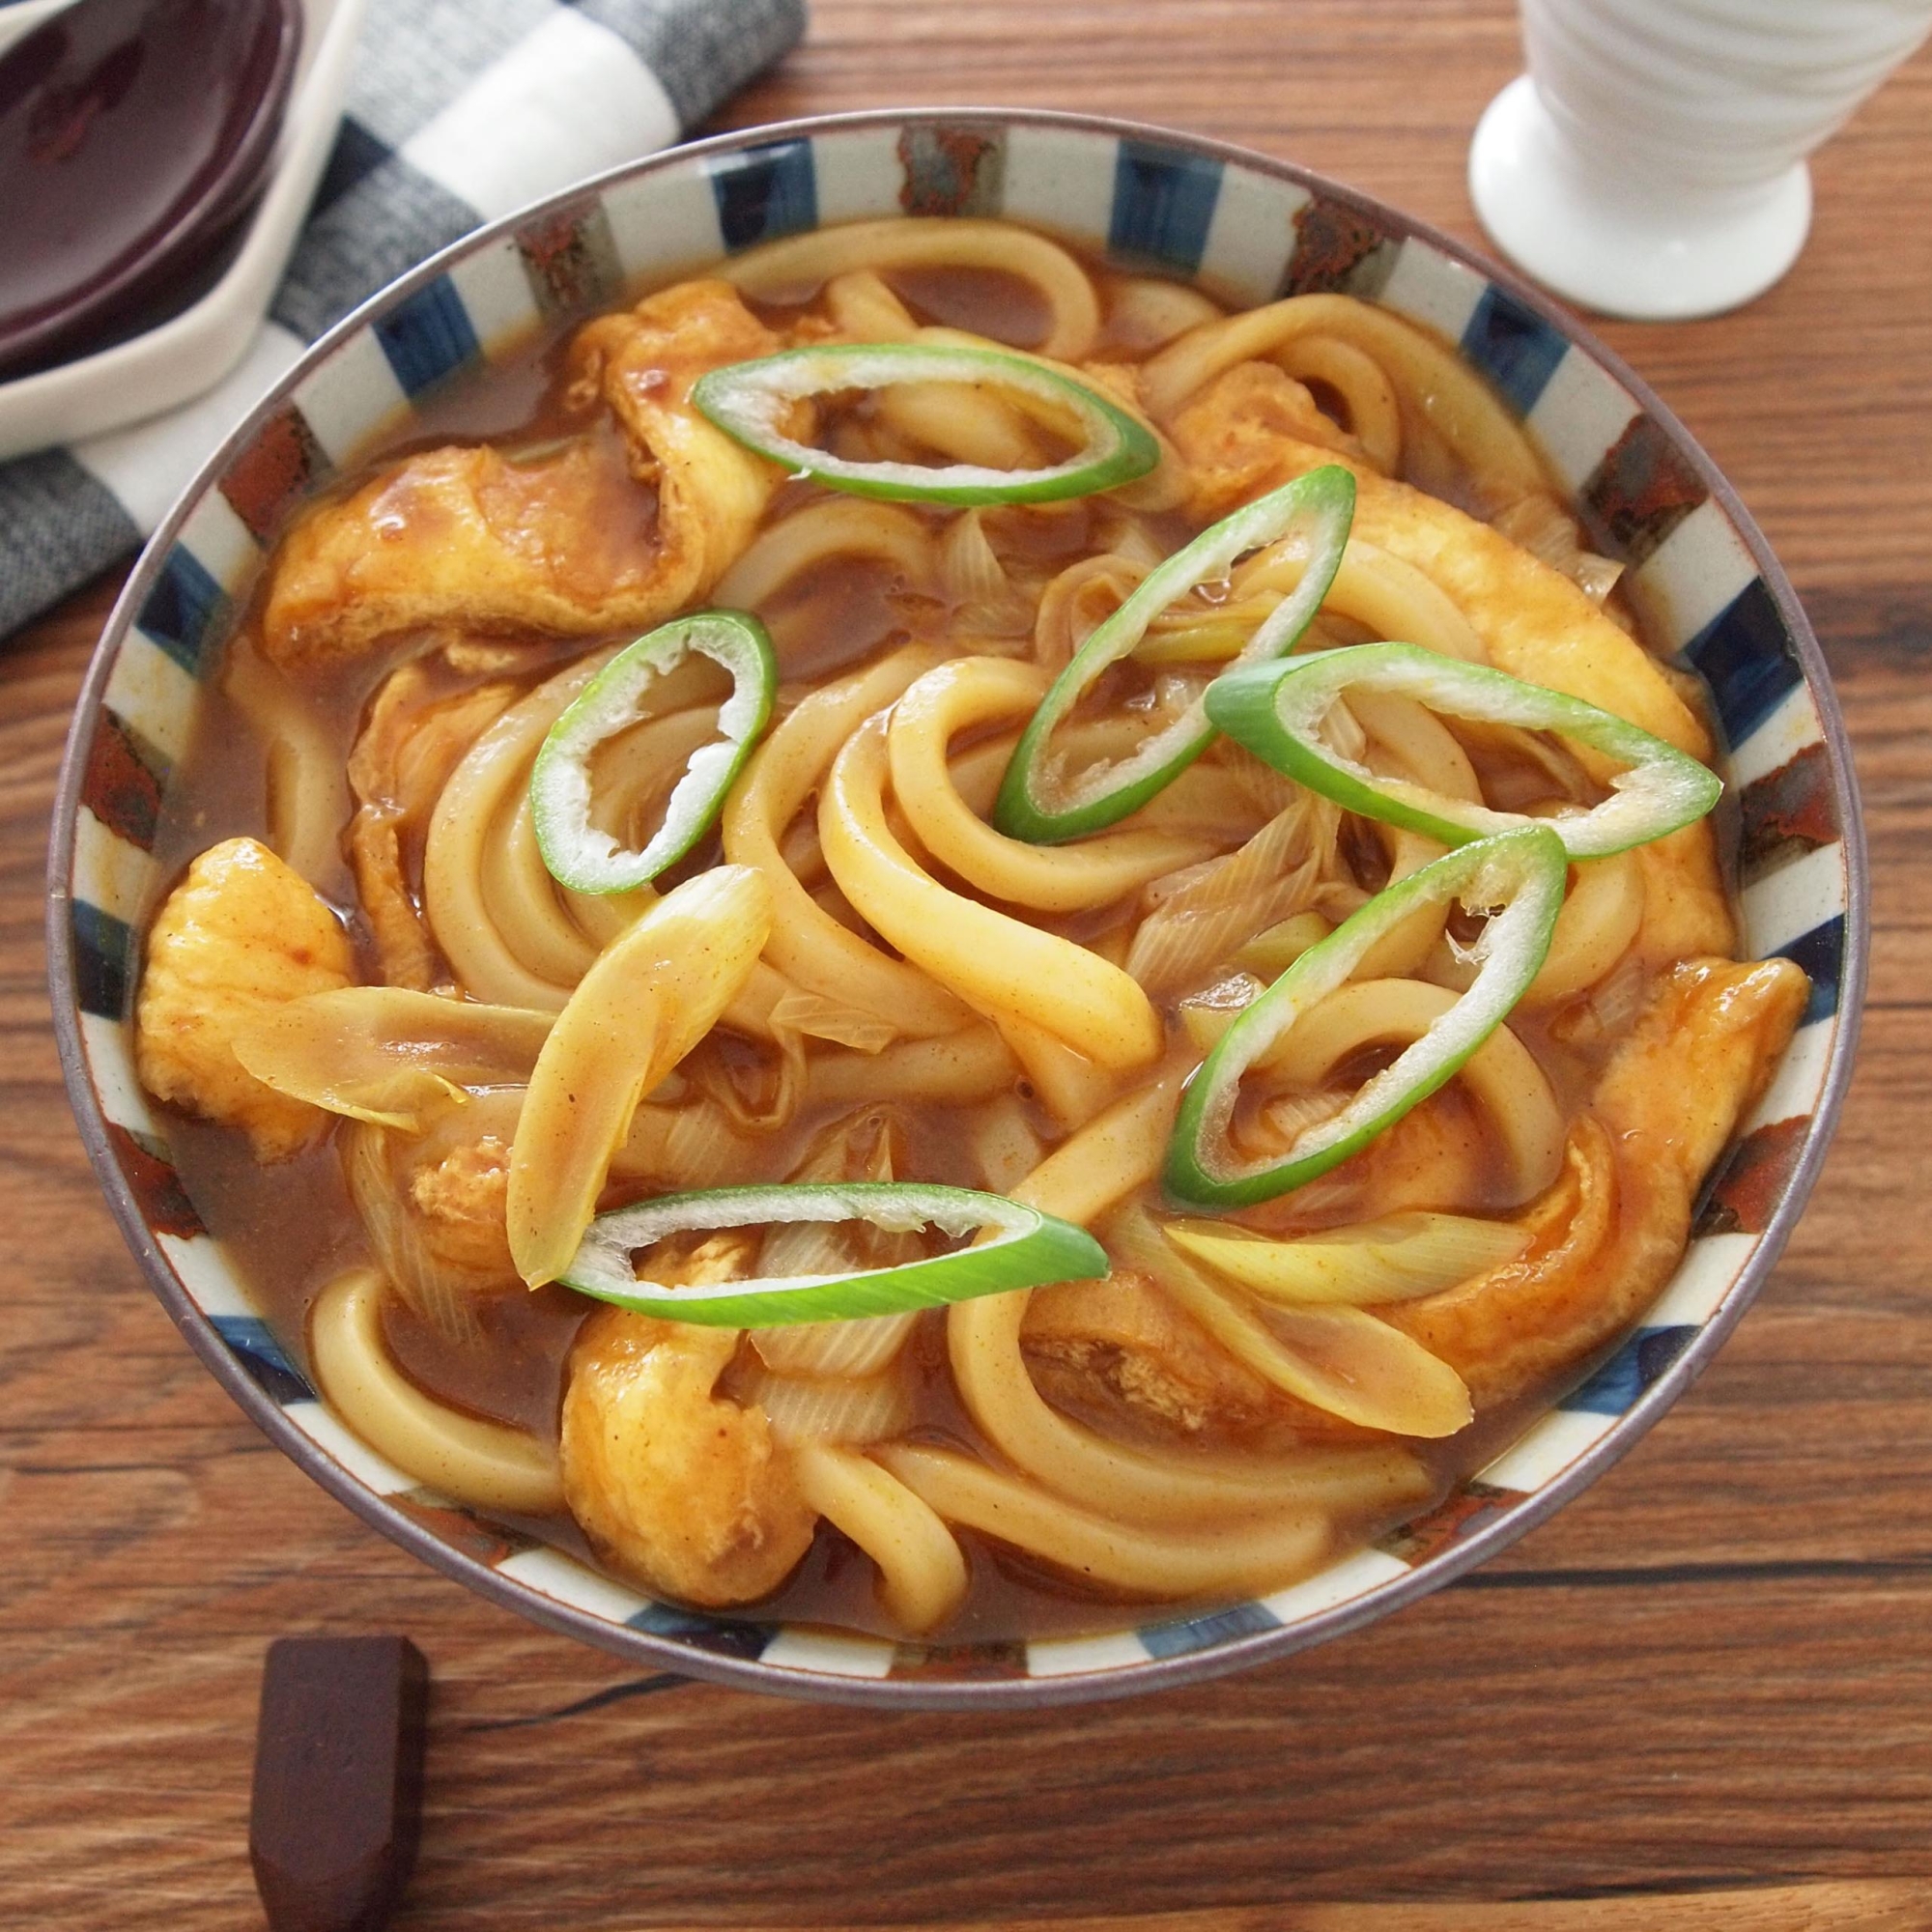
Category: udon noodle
<point>409,1065</point>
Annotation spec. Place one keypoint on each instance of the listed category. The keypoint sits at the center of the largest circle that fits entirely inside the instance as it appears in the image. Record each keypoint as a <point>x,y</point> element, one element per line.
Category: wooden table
<point>1710,1676</point>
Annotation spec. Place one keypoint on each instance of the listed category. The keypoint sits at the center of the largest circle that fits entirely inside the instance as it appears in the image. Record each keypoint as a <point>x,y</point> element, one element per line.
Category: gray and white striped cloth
<point>458,111</point>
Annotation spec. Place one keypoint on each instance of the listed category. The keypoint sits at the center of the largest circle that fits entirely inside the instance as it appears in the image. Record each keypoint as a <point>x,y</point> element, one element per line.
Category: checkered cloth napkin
<point>458,111</point>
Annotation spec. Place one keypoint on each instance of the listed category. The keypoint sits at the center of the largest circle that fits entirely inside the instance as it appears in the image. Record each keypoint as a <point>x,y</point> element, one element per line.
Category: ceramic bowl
<point>1251,229</point>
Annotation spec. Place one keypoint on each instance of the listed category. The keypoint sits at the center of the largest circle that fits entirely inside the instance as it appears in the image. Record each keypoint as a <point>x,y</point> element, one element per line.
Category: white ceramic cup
<point>1651,163</point>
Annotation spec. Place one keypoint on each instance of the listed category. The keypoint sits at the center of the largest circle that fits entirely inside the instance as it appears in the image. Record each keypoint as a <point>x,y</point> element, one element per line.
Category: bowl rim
<point>915,1692</point>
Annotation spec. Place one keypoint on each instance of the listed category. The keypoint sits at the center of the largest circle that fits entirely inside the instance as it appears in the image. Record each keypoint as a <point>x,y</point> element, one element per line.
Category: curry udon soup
<point>862,984</point>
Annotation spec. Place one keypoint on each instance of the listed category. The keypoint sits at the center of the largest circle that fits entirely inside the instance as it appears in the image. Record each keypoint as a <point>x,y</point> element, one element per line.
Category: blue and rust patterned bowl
<point>1251,229</point>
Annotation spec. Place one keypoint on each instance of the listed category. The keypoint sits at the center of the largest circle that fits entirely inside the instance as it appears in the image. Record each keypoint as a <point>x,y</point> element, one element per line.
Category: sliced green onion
<point>577,853</point>
<point>1277,712</point>
<point>1038,802</point>
<point>1518,875</point>
<point>749,400</point>
<point>1026,1249</point>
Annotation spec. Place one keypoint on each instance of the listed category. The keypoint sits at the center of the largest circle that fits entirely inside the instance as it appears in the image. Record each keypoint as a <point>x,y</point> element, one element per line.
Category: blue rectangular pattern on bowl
<point>1513,347</point>
<point>1144,203</point>
<point>428,338</point>
<point>765,192</point>
<point>1163,206</point>
<point>187,610</point>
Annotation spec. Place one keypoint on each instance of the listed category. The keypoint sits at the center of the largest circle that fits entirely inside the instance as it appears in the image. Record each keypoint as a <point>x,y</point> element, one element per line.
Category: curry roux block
<point>333,1823</point>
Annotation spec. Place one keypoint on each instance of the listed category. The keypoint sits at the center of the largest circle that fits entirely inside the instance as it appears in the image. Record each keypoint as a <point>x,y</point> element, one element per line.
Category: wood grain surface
<point>1700,1697</point>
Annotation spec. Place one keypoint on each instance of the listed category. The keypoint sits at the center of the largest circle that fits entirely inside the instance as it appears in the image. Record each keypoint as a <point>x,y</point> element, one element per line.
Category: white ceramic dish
<point>190,353</point>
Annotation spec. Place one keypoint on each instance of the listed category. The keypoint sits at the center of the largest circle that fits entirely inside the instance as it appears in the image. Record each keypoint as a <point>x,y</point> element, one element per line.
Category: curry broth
<point>291,1228</point>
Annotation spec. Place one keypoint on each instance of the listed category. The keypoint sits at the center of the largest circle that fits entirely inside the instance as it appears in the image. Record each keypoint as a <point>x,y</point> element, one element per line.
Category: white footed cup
<point>1651,163</point>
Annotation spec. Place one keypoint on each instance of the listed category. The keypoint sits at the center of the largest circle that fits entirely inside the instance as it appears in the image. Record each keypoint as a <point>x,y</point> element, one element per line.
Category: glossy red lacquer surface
<point>132,132</point>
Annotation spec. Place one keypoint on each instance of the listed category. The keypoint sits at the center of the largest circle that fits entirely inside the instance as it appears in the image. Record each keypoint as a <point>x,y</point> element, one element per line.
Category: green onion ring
<point>747,400</point>
<point>1276,711</point>
<point>1520,874</point>
<point>1324,502</point>
<point>579,856</point>
<point>1026,1249</point>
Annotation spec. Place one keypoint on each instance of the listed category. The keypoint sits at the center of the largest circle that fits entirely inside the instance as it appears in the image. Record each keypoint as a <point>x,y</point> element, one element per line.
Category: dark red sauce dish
<point>133,134</point>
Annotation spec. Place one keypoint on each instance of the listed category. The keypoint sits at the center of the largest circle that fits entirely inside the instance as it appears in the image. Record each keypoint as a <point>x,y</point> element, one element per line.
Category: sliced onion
<point>805,1408</point>
<point>1209,910</point>
<point>835,1349</point>
<point>1396,1259</point>
<point>1205,1016</point>
<point>975,582</point>
<point>843,1349</point>
<point>1335,1358</point>
<point>387,1055</point>
<point>1005,1143</point>
<point>1272,951</point>
<point>819,1018</point>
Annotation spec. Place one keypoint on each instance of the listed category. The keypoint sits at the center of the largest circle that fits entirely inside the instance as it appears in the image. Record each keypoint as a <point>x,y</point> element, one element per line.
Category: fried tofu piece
<point>1533,620</point>
<point>566,542</point>
<point>1121,1349</point>
<point>1247,433</point>
<point>615,529</point>
<point>408,745</point>
<point>1686,914</point>
<point>240,935</point>
<point>1235,435</point>
<point>1119,1346</point>
<point>673,1483</point>
<point>1602,1240</point>
<point>1609,1235</point>
<point>712,491</point>
<point>460,1206</point>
